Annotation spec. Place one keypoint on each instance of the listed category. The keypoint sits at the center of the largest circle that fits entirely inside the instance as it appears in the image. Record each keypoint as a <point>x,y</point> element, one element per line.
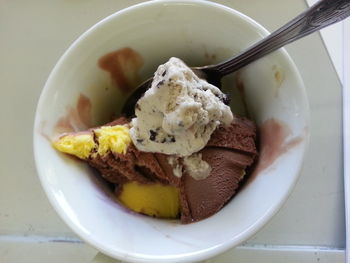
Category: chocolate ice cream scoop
<point>115,157</point>
<point>207,196</point>
<point>240,135</point>
<point>230,151</point>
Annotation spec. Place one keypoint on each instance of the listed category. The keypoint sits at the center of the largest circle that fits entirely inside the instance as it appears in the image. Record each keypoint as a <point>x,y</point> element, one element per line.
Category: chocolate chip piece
<point>226,99</point>
<point>160,83</point>
<point>138,106</point>
<point>139,140</point>
<point>172,139</point>
<point>163,74</point>
<point>153,135</point>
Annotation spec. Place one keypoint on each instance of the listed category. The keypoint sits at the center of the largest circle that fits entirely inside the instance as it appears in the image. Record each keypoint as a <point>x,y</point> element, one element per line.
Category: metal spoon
<point>318,16</point>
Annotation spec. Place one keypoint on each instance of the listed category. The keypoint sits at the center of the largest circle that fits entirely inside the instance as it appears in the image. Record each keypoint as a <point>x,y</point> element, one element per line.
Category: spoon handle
<point>320,15</point>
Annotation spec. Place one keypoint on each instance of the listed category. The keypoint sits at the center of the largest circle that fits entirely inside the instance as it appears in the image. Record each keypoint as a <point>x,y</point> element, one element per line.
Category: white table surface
<point>310,227</point>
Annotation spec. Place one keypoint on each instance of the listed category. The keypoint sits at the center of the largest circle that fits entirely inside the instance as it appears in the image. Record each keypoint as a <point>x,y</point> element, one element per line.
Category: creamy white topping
<point>175,164</point>
<point>178,114</point>
<point>193,165</point>
<point>196,167</point>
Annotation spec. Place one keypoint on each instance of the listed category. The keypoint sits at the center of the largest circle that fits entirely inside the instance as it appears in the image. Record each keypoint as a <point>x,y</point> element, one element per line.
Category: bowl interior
<point>156,31</point>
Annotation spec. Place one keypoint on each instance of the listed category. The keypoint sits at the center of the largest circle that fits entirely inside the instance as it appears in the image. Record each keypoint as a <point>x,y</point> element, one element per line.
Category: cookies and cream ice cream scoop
<point>180,111</point>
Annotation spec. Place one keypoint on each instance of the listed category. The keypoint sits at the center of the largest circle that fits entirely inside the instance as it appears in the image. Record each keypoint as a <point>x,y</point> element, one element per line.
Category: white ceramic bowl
<point>198,32</point>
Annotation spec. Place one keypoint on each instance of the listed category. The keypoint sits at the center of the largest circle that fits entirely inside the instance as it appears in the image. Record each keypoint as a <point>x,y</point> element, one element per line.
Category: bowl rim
<point>193,256</point>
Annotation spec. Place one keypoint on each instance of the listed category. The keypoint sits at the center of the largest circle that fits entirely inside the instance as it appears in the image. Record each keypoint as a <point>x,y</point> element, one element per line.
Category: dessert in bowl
<point>92,81</point>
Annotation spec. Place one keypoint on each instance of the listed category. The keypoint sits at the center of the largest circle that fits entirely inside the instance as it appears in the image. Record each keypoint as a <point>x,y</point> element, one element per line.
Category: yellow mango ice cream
<point>112,138</point>
<point>151,199</point>
<point>79,145</point>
